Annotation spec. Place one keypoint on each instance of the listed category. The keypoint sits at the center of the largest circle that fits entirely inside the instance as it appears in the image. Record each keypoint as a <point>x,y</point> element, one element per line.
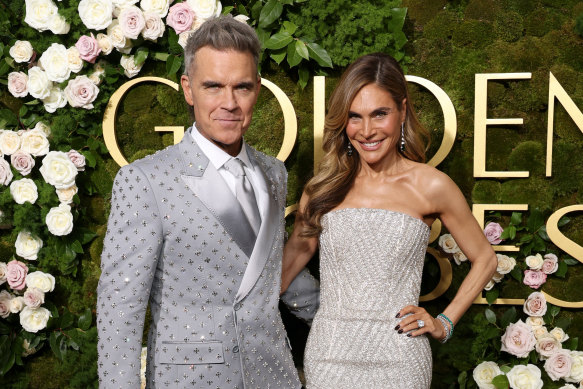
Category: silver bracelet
<point>446,326</point>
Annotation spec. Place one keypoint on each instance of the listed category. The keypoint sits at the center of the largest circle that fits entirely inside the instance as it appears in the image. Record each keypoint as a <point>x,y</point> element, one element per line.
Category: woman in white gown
<point>369,209</point>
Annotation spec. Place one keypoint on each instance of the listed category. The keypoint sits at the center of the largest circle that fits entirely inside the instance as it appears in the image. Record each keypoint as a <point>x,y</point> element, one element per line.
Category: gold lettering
<point>481,121</point>
<point>319,117</point>
<point>557,91</point>
<point>445,278</point>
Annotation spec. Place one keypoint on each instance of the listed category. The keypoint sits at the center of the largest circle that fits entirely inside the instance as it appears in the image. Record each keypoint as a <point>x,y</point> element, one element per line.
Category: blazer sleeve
<point>302,297</point>
<point>128,263</point>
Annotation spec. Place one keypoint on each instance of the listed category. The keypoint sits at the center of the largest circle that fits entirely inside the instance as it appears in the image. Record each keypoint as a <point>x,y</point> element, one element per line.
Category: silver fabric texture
<point>371,262</point>
<point>244,192</point>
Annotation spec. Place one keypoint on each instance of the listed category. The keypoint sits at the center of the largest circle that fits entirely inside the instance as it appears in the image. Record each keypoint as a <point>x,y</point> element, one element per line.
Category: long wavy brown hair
<point>337,171</point>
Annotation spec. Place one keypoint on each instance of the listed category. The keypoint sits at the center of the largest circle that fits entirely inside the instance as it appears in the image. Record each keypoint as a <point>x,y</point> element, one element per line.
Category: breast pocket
<point>192,353</point>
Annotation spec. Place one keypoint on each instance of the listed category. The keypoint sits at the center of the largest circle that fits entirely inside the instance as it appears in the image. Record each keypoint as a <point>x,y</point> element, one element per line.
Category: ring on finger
<point>420,323</point>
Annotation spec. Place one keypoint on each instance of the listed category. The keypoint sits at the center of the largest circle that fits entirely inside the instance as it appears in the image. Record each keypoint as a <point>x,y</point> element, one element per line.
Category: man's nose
<point>230,100</point>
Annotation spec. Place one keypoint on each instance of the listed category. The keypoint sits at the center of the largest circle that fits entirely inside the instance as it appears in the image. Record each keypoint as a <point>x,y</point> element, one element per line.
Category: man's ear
<point>185,83</point>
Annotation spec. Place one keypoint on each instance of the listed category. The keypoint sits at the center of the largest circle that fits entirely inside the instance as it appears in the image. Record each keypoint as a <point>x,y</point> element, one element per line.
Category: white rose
<point>5,298</point>
<point>55,100</point>
<point>38,84</point>
<point>5,172</point>
<point>41,281</point>
<point>131,21</point>
<point>489,285</point>
<point>459,257</point>
<point>505,264</point>
<point>24,190</point>
<point>17,84</point>
<point>34,297</point>
<point>28,245</point>
<point>118,39</point>
<point>559,334</point>
<point>58,170</point>
<point>42,127</point>
<point>183,38</point>
<point>17,304</point>
<point>547,345</point>
<point>525,377</point>
<point>21,51</point>
<point>96,14</point>
<point>535,321</point>
<point>58,25</point>
<point>2,272</point>
<point>484,373</point>
<point>534,262</point>
<point>497,277</point>
<point>197,23</point>
<point>242,18</point>
<point>35,142</point>
<point>34,319</point>
<point>55,62</point>
<point>105,43</point>
<point>540,332</point>
<point>39,13</point>
<point>568,386</point>
<point>129,66</point>
<point>576,374</point>
<point>60,220</point>
<point>119,5</point>
<point>81,92</point>
<point>448,244</point>
<point>159,7</point>
<point>9,142</point>
<point>154,26</point>
<point>74,59</point>
<point>205,9</point>
<point>66,195</point>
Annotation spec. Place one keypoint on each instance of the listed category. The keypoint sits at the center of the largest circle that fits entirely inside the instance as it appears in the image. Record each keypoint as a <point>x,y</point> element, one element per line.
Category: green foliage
<point>333,23</point>
<point>579,25</point>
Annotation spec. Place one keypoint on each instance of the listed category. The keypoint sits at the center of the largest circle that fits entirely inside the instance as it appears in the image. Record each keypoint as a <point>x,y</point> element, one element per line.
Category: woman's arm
<point>298,250</point>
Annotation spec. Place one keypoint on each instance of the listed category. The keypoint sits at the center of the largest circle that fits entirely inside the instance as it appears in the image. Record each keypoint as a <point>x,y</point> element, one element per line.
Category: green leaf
<point>302,50</point>
<point>293,57</point>
<point>304,75</point>
<point>67,319</point>
<point>9,117</point>
<point>508,317</point>
<point>572,343</point>
<point>516,218</point>
<point>533,357</point>
<point>462,379</point>
<point>571,261</point>
<point>263,36</point>
<point>554,310</point>
<point>563,322</point>
<point>161,56</point>
<point>172,66</point>
<point>290,27</point>
<point>85,319</point>
<point>563,221</point>
<point>7,365</point>
<point>278,55</point>
<point>492,295</point>
<point>227,10</point>
<point>490,316</point>
<point>141,55</point>
<point>270,13</point>
<point>22,111</point>
<point>318,53</point>
<point>76,247</point>
<point>397,19</point>
<point>501,382</point>
<point>562,270</point>
<point>279,40</point>
<point>89,158</point>
<point>53,343</point>
<point>542,232</point>
<point>256,10</point>
<point>491,332</point>
<point>535,220</point>
<point>505,368</point>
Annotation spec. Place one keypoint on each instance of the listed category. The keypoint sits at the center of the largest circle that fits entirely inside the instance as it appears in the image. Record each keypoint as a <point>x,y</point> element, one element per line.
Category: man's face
<point>222,86</point>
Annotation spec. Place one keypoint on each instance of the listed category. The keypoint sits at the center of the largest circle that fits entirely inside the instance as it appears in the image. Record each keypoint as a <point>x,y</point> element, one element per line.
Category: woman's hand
<point>410,327</point>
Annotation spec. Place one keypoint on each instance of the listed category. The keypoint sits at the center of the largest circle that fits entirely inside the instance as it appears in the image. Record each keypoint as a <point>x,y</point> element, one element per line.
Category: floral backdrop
<point>60,61</point>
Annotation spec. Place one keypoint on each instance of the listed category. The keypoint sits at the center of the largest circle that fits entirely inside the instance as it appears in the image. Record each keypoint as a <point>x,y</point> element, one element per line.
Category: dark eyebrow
<point>380,110</point>
<point>245,84</point>
<point>211,84</point>
<point>353,114</point>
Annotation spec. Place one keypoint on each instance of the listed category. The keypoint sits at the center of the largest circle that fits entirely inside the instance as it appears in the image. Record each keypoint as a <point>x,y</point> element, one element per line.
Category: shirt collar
<point>215,154</point>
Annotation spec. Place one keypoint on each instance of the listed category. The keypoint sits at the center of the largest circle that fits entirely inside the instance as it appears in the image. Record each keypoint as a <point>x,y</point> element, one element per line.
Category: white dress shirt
<point>219,157</point>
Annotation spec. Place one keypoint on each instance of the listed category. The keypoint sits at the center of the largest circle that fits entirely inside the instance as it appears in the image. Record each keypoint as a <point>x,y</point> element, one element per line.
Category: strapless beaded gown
<point>370,267</point>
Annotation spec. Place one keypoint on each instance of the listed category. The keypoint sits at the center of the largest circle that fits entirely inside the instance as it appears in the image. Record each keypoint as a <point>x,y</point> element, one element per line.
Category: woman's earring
<point>403,143</point>
<point>349,147</point>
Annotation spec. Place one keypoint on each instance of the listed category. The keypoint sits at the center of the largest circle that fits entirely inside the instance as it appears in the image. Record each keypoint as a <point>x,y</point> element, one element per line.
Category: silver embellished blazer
<point>175,240</point>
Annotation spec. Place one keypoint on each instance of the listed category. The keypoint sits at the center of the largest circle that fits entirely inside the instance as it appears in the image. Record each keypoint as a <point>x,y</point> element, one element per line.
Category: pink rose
<point>5,172</point>
<point>23,162</point>
<point>547,345</point>
<point>17,84</point>
<point>180,17</point>
<point>534,278</point>
<point>88,48</point>
<point>535,304</point>
<point>559,365</point>
<point>81,92</point>
<point>550,264</point>
<point>131,21</point>
<point>154,27</point>
<point>78,159</point>
<point>5,298</point>
<point>493,232</point>
<point>34,297</point>
<point>518,339</point>
<point>16,274</point>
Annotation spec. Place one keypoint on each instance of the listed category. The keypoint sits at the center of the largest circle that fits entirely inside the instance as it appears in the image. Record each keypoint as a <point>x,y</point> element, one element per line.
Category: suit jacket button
<point>237,306</point>
<point>236,349</point>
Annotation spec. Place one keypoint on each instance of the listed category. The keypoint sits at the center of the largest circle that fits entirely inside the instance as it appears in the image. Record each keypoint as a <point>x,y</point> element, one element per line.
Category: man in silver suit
<point>197,230</point>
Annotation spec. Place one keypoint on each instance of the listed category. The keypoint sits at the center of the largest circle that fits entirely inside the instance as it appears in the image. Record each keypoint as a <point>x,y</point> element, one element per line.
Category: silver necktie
<point>244,193</point>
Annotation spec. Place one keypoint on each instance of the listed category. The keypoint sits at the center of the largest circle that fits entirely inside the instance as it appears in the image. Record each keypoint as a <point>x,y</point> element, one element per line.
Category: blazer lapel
<point>265,237</point>
<point>210,188</point>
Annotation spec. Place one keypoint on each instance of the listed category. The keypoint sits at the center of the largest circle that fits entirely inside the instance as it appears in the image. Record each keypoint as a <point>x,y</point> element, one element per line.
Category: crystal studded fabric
<point>371,262</point>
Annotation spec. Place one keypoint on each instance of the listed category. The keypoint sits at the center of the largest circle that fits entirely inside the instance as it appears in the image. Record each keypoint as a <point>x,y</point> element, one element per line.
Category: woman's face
<point>374,123</point>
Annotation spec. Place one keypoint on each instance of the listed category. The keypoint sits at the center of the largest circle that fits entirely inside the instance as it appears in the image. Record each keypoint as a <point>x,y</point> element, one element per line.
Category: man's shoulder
<point>169,156</point>
<point>267,160</point>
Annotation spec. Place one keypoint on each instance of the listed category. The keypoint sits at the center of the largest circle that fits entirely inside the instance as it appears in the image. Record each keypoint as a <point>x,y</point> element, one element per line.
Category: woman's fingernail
<point>400,331</point>
<point>409,335</point>
<point>397,327</point>
<point>398,315</point>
